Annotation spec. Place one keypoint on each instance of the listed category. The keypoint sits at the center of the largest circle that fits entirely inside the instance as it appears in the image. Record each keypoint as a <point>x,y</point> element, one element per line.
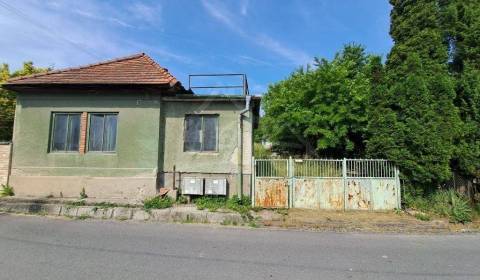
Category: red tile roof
<point>138,69</point>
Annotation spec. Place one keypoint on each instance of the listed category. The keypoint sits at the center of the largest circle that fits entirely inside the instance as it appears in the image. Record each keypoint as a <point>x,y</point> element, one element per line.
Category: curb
<point>182,214</point>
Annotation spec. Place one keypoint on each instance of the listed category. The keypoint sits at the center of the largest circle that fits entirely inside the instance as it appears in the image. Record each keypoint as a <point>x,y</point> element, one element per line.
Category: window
<point>102,135</point>
<point>65,132</point>
<point>201,133</point>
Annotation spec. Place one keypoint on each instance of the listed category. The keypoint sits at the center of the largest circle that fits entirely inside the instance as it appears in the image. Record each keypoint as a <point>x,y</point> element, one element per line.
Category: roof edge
<point>82,67</point>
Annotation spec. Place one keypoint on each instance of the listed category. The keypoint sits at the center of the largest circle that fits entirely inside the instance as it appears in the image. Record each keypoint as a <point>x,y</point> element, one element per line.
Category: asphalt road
<point>46,248</point>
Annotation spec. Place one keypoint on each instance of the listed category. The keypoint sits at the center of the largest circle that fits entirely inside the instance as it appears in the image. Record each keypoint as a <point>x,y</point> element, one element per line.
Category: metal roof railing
<point>243,86</point>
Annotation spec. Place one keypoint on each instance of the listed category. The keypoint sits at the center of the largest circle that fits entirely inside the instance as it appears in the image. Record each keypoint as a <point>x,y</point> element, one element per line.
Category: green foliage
<point>7,98</point>
<point>210,203</point>
<point>157,203</point>
<point>422,217</point>
<point>321,109</point>
<point>453,205</point>
<point>76,203</point>
<point>445,203</point>
<point>83,194</point>
<point>259,151</point>
<point>241,205</point>
<point>7,191</point>
<point>182,199</point>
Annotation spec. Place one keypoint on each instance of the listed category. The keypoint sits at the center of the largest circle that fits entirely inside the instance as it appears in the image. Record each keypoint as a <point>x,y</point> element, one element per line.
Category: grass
<point>76,203</point>
<point>240,205</point>
<point>444,203</point>
<point>422,217</point>
<point>7,191</point>
<point>157,203</point>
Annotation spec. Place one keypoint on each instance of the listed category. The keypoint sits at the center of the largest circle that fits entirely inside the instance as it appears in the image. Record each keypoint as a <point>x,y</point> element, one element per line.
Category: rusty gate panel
<point>350,184</point>
<point>318,193</point>
<point>306,194</point>
<point>385,194</point>
<point>331,195</point>
<point>358,194</point>
<point>271,192</point>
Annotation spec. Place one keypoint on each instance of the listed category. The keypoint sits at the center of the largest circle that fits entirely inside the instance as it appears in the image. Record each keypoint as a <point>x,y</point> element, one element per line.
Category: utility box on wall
<point>215,186</point>
<point>192,185</point>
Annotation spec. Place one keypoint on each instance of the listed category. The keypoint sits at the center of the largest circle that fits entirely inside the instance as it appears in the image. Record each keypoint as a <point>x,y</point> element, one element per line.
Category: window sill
<point>202,153</point>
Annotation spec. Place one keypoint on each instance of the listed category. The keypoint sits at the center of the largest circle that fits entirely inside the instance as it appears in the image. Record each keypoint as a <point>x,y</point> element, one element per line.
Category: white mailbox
<point>215,186</point>
<point>192,185</point>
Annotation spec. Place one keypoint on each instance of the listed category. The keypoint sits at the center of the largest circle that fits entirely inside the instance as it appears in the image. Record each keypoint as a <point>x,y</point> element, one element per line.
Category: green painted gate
<point>346,184</point>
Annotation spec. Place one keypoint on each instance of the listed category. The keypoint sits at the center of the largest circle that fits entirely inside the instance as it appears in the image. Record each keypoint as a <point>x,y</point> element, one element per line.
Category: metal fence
<point>369,184</point>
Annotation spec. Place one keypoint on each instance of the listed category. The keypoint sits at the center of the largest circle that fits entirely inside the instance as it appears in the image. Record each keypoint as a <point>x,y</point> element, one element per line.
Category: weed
<point>83,194</point>
<point>122,218</point>
<point>7,191</point>
<point>422,217</point>
<point>445,203</point>
<point>75,203</point>
<point>49,196</point>
<point>83,217</point>
<point>157,203</point>
<point>282,211</point>
<point>104,205</point>
<point>182,199</point>
<point>210,203</point>
<point>253,224</point>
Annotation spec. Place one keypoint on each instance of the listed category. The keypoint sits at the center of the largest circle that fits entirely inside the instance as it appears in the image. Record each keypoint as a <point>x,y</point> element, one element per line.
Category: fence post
<point>344,180</point>
<point>252,187</point>
<point>290,182</point>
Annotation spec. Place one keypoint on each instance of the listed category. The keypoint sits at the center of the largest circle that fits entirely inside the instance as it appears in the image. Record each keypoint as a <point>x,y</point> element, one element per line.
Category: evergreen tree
<point>420,122</point>
<point>462,31</point>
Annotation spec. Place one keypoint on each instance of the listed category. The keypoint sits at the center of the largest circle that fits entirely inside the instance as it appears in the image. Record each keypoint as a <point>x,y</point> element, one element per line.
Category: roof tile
<point>136,69</point>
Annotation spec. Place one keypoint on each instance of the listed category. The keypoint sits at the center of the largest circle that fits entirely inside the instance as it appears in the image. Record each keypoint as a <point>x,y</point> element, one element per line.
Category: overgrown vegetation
<point>241,205</point>
<point>444,203</point>
<point>420,108</point>
<point>157,203</point>
<point>7,191</point>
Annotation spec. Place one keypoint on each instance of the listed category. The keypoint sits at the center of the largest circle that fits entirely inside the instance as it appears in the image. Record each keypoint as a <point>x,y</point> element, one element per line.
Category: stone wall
<point>4,162</point>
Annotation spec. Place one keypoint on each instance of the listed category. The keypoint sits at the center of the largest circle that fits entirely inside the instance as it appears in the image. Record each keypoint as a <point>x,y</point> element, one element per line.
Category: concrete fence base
<point>182,214</point>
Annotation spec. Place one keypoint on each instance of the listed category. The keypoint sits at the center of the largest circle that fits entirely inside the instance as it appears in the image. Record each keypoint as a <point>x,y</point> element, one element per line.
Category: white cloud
<point>148,13</point>
<point>70,33</point>
<point>218,11</point>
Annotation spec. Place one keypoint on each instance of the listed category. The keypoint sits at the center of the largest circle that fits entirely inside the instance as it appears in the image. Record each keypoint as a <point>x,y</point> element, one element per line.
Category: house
<point>126,129</point>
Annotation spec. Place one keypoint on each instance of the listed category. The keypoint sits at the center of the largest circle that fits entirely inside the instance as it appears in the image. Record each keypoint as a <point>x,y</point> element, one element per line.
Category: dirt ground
<point>361,221</point>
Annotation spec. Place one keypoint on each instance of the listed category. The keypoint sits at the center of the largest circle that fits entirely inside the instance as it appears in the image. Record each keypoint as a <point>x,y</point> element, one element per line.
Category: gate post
<point>252,184</point>
<point>344,180</point>
<point>399,193</point>
<point>290,174</point>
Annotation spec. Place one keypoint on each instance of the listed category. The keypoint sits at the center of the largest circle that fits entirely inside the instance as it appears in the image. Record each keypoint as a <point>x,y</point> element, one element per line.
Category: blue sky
<point>267,40</point>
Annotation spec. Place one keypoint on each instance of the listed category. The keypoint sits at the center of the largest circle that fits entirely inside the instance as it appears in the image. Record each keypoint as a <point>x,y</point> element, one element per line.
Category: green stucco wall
<point>137,138</point>
<point>149,145</point>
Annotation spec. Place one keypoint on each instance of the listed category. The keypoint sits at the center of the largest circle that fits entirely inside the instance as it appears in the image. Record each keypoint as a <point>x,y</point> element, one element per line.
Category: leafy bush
<point>445,203</point>
<point>259,151</point>
<point>210,203</point>
<point>7,191</point>
<point>240,205</point>
<point>157,203</point>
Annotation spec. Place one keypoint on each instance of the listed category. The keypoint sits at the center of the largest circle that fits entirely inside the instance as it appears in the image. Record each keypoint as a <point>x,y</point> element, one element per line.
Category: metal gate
<point>346,184</point>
